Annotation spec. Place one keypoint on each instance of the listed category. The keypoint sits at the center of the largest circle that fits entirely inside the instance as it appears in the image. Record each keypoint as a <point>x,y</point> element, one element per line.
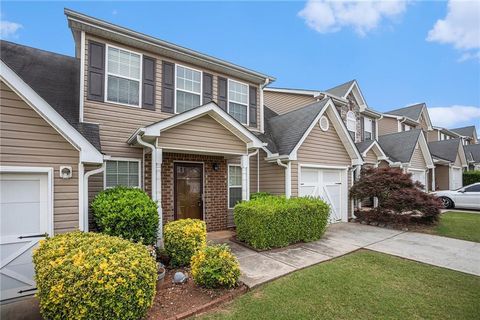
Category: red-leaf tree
<point>400,200</point>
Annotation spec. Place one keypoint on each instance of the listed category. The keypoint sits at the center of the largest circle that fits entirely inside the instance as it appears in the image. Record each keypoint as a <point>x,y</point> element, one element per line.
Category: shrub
<point>271,222</point>
<point>215,266</point>
<point>128,213</point>
<point>93,276</point>
<point>400,200</point>
<point>182,239</point>
<point>257,195</point>
<point>470,177</point>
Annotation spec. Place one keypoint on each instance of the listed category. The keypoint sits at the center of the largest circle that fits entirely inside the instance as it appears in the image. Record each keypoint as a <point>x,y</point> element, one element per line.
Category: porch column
<point>158,197</point>
<point>357,171</point>
<point>245,177</point>
<point>433,179</point>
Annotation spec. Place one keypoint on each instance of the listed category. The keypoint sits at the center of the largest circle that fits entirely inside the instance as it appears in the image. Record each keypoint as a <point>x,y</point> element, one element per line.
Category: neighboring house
<point>450,161</point>
<point>440,134</point>
<point>468,134</point>
<point>472,153</point>
<point>404,119</point>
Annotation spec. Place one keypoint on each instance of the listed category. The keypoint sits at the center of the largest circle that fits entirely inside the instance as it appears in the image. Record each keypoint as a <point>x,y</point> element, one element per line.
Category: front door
<point>188,190</point>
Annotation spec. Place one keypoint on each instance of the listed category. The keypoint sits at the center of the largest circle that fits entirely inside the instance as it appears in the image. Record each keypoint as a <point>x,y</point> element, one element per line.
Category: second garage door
<point>328,184</point>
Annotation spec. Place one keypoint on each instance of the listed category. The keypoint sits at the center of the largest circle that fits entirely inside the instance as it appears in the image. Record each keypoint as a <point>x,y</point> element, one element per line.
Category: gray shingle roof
<point>473,152</point>
<point>445,149</point>
<point>286,130</point>
<point>401,145</point>
<point>412,112</point>
<point>341,90</point>
<point>362,146</point>
<point>465,131</point>
<point>55,78</point>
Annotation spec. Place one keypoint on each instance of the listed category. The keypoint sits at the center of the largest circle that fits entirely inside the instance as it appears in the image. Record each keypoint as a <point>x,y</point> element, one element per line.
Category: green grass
<point>362,285</point>
<point>460,225</point>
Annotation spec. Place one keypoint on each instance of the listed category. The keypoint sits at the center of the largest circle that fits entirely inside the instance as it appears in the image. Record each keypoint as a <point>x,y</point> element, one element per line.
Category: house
<point>439,134</point>
<point>468,134</point>
<point>404,119</point>
<point>189,129</point>
<point>472,153</point>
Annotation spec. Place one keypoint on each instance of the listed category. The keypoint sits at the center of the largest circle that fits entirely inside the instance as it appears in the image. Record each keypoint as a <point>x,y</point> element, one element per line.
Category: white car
<point>467,197</point>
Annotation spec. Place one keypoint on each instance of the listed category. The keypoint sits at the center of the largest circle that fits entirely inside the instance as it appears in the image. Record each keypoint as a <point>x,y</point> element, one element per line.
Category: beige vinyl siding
<point>418,161</point>
<point>272,176</point>
<point>26,139</point>
<point>383,164</point>
<point>458,162</point>
<point>370,157</point>
<point>285,102</point>
<point>254,168</point>
<point>201,134</point>
<point>95,185</point>
<point>320,148</point>
<point>118,122</point>
<point>423,123</point>
<point>442,178</point>
<point>432,135</point>
<point>387,125</point>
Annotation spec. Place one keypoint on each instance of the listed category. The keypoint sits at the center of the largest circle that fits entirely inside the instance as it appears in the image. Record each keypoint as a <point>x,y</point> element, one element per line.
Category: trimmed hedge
<point>182,239</point>
<point>257,195</point>
<point>271,222</point>
<point>470,177</point>
<point>93,276</point>
<point>126,212</point>
<point>215,266</point>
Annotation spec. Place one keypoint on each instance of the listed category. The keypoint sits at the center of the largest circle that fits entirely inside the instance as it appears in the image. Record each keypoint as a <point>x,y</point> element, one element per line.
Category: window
<point>234,185</point>
<point>123,76</point>
<point>406,127</point>
<point>188,88</point>
<point>368,129</point>
<point>238,101</point>
<point>351,124</point>
<point>122,173</point>
<point>475,188</point>
<point>442,136</point>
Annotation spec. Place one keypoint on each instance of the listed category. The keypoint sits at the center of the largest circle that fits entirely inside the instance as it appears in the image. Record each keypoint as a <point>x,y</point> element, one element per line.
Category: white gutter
<point>288,177</point>
<point>154,161</point>
<point>262,129</point>
<point>87,175</point>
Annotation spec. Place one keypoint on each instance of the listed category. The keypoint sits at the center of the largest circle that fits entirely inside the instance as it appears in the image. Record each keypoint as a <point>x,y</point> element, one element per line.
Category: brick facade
<point>215,187</point>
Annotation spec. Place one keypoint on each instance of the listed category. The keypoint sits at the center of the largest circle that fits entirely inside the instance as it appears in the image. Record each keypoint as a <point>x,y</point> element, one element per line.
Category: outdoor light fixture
<point>215,167</point>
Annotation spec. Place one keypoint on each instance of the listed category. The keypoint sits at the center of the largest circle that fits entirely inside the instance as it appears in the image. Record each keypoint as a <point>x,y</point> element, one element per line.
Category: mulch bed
<point>179,301</point>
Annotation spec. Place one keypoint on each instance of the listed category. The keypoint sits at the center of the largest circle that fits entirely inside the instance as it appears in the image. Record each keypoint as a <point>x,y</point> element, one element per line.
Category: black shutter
<point>168,86</point>
<point>207,88</point>
<point>96,71</point>
<point>362,128</point>
<point>374,129</point>
<point>222,93</point>
<point>148,83</point>
<point>252,104</point>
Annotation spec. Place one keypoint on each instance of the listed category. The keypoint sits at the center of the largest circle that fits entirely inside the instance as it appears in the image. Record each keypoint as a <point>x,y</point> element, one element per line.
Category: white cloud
<point>455,116</point>
<point>9,29</point>
<point>363,16</point>
<point>460,28</point>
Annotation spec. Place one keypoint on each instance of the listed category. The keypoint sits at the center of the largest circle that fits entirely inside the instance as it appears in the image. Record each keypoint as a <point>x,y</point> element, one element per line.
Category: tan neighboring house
<point>450,162</point>
<point>468,134</point>
<point>129,109</point>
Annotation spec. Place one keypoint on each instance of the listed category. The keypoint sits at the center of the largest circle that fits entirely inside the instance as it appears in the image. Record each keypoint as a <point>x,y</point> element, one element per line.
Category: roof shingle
<point>400,146</point>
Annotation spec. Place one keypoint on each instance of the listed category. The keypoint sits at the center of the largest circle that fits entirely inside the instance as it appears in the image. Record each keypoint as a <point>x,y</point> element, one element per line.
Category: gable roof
<point>364,146</point>
<point>473,152</point>
<point>341,90</point>
<point>468,131</point>
<point>445,149</point>
<point>400,146</point>
<point>413,112</point>
<point>55,78</point>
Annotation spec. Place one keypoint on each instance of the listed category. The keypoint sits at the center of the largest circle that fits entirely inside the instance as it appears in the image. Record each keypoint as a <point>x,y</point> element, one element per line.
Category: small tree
<point>399,198</point>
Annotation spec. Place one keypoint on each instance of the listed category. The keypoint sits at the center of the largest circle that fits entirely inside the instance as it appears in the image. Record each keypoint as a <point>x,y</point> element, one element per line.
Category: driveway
<point>343,238</point>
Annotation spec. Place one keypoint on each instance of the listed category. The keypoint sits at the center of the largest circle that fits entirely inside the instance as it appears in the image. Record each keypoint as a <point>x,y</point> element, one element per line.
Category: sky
<point>400,51</point>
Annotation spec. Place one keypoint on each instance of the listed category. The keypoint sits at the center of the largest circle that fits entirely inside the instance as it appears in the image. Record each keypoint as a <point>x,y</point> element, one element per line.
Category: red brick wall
<point>215,187</point>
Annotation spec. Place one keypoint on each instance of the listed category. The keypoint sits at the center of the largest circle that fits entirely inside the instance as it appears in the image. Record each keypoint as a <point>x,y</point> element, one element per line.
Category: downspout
<point>262,129</point>
<point>288,177</point>
<point>248,172</point>
<point>85,193</point>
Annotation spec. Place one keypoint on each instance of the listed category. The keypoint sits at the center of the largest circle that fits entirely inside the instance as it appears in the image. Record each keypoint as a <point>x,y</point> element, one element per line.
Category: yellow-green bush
<point>182,239</point>
<point>93,276</point>
<point>215,266</point>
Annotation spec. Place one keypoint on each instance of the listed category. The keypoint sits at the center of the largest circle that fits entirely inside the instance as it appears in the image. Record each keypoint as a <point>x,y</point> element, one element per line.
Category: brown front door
<point>188,190</point>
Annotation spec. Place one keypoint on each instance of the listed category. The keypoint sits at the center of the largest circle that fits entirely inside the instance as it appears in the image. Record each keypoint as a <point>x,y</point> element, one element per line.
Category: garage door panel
<point>20,190</point>
<point>332,176</point>
<point>27,213</point>
<point>309,176</point>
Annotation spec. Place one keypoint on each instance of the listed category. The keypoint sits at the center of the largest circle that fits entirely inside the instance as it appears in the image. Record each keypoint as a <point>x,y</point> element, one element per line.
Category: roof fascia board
<point>88,153</point>
<point>427,115</point>
<point>425,150</point>
<point>379,151</point>
<point>312,93</point>
<point>463,156</point>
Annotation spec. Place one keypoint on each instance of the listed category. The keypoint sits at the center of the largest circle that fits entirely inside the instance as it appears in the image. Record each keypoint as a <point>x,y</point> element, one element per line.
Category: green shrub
<point>182,239</point>
<point>470,177</point>
<point>257,195</point>
<point>215,266</point>
<point>126,212</point>
<point>271,222</point>
<point>93,276</point>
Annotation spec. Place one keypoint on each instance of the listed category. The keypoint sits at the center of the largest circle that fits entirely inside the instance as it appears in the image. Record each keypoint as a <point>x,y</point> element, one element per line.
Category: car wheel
<point>447,202</point>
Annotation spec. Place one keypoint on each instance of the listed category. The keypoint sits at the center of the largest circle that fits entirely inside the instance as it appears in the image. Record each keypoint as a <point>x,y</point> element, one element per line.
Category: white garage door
<point>24,211</point>
<point>327,184</point>
<point>456,178</point>
<point>418,175</point>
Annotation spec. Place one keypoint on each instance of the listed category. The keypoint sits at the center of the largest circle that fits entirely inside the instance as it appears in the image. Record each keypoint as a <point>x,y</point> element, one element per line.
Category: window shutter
<point>252,104</point>
<point>207,88</point>
<point>374,130</point>
<point>168,86</point>
<point>96,71</point>
<point>148,83</point>
<point>362,128</point>
<point>222,93</point>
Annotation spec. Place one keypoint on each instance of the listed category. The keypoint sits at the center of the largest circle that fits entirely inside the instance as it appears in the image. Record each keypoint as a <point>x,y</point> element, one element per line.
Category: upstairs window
<point>123,76</point>
<point>234,185</point>
<point>351,124</point>
<point>238,101</point>
<point>368,129</point>
<point>188,88</point>
<point>122,173</point>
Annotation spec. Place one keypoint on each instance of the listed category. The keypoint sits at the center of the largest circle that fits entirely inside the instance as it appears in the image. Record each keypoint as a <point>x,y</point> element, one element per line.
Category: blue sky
<point>303,45</point>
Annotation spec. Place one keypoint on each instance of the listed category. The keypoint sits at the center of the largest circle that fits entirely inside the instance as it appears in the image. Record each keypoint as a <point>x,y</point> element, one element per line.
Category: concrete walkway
<point>342,238</point>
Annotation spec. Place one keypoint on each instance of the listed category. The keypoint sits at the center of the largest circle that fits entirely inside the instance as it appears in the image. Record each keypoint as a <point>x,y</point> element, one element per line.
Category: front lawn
<point>460,225</point>
<point>362,285</point>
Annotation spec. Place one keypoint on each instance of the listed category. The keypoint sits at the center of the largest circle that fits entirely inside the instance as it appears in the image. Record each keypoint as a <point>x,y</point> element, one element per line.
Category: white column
<point>433,179</point>
<point>288,180</point>
<point>245,176</point>
<point>157,166</point>
<point>81,199</point>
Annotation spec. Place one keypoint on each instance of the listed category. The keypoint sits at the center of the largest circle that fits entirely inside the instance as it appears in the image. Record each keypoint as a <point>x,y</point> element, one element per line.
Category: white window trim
<point>128,78</point>
<point>248,99</point>
<point>124,159</point>
<point>365,120</point>
<point>354,118</point>
<point>188,91</point>
<point>228,183</point>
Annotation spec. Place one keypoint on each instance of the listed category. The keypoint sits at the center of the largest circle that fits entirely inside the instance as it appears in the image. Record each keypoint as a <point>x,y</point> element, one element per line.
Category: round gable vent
<point>324,123</point>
